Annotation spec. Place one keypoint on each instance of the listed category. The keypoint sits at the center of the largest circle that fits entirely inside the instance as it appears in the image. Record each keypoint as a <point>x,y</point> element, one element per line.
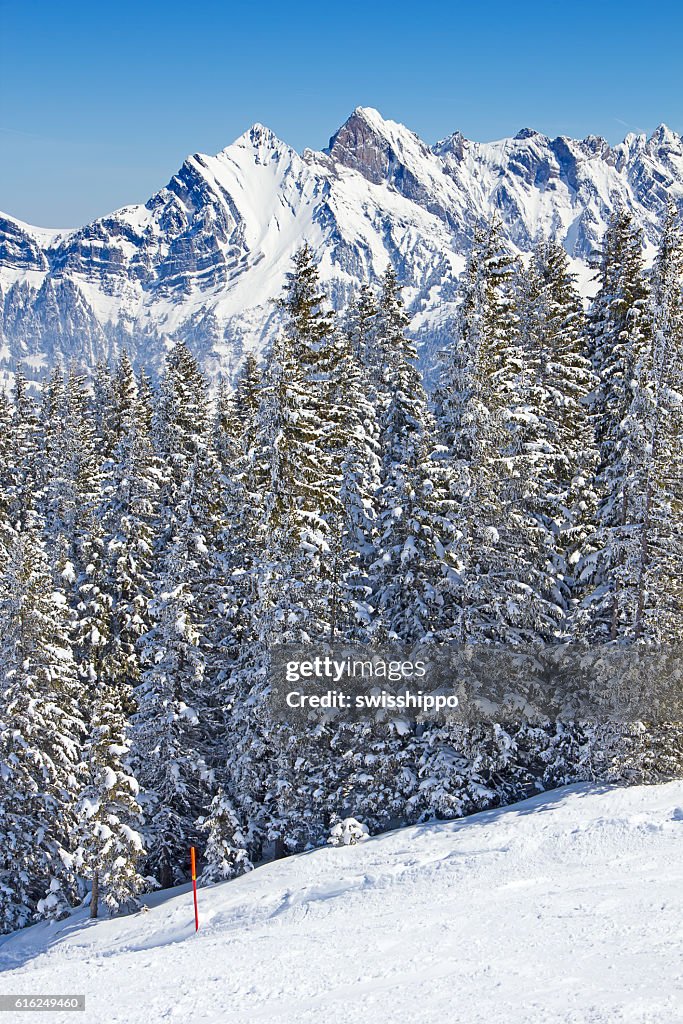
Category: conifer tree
<point>413,509</point>
<point>225,853</point>
<point>6,475</point>
<point>246,401</point>
<point>109,815</point>
<point>169,751</point>
<point>67,488</point>
<point>40,735</point>
<point>104,409</point>
<point>501,587</point>
<point>303,563</point>
<point>302,491</point>
<point>127,515</point>
<point>621,345</point>
<point>361,325</point>
<point>556,450</point>
<point>177,716</point>
<point>358,449</point>
<point>658,403</point>
<point>23,480</point>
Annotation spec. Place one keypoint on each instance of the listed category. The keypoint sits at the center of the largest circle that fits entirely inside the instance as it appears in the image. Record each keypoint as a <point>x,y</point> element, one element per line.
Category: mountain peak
<point>453,145</point>
<point>361,144</point>
<point>370,144</point>
<point>259,143</point>
<point>371,116</point>
<point>664,136</point>
<point>528,133</point>
<point>258,135</point>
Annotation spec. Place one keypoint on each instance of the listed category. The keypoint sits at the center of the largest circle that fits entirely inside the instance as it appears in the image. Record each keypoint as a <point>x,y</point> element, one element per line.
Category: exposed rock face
<point>203,258</point>
<point>359,147</point>
<point>18,251</point>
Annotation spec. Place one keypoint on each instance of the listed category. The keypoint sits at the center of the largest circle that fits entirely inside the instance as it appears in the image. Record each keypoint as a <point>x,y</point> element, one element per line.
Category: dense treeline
<point>156,540</point>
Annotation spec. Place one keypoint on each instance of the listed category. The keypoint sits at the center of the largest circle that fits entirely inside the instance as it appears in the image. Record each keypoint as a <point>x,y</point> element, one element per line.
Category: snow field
<point>565,908</point>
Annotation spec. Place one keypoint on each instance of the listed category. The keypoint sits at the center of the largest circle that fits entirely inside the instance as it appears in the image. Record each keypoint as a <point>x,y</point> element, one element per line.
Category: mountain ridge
<point>203,258</point>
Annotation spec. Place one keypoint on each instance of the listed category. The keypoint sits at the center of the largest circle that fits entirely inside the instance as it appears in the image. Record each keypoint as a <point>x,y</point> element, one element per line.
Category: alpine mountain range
<point>204,258</point>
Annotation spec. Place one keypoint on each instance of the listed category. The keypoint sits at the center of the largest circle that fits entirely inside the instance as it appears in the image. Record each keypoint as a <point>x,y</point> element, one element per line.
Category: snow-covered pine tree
<point>109,845</point>
<point>358,446</point>
<point>68,482</point>
<point>618,323</point>
<point>243,495</point>
<point>178,712</point>
<point>642,514</point>
<point>415,527</point>
<point>40,735</point>
<point>295,427</point>
<point>6,474</point>
<point>240,540</point>
<point>620,332</point>
<point>548,489</point>
<point>360,325</point>
<point>69,501</point>
<point>104,409</point>
<point>170,740</point>
<point>470,419</point>
<point>226,428</point>
<point>498,397</point>
<point>397,520</point>
<point>237,410</point>
<point>191,499</point>
<point>247,399</point>
<point>23,454</point>
<point>146,398</point>
<point>658,401</point>
<point>225,854</point>
<point>109,815</point>
<point>503,591</point>
<point>56,498</point>
<point>556,448</point>
<point>181,417</point>
<point>127,516</point>
<point>367,395</point>
<point>303,562</point>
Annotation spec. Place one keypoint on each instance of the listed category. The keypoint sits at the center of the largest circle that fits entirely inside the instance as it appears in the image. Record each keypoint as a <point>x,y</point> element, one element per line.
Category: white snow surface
<point>564,908</point>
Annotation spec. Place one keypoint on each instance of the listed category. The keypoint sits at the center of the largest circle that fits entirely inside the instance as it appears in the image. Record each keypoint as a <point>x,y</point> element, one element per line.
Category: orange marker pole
<point>193,863</point>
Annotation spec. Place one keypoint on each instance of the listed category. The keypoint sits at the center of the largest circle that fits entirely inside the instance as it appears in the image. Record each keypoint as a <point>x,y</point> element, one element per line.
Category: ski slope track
<point>203,259</point>
<point>565,908</point>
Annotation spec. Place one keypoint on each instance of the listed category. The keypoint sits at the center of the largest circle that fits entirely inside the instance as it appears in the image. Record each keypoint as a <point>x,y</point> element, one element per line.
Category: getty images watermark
<point>362,684</point>
<point>353,682</point>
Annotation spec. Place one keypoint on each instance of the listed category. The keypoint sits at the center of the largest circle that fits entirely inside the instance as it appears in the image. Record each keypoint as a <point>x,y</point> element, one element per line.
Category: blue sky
<point>100,103</point>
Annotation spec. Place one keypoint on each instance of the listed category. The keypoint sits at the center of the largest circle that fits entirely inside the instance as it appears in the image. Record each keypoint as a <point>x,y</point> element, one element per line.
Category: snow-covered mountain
<point>563,909</point>
<point>204,257</point>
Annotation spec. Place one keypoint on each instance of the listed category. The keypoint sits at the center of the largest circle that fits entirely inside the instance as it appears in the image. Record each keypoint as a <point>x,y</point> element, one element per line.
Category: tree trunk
<point>614,630</point>
<point>644,559</point>
<point>333,610</point>
<point>95,895</point>
<point>165,873</point>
